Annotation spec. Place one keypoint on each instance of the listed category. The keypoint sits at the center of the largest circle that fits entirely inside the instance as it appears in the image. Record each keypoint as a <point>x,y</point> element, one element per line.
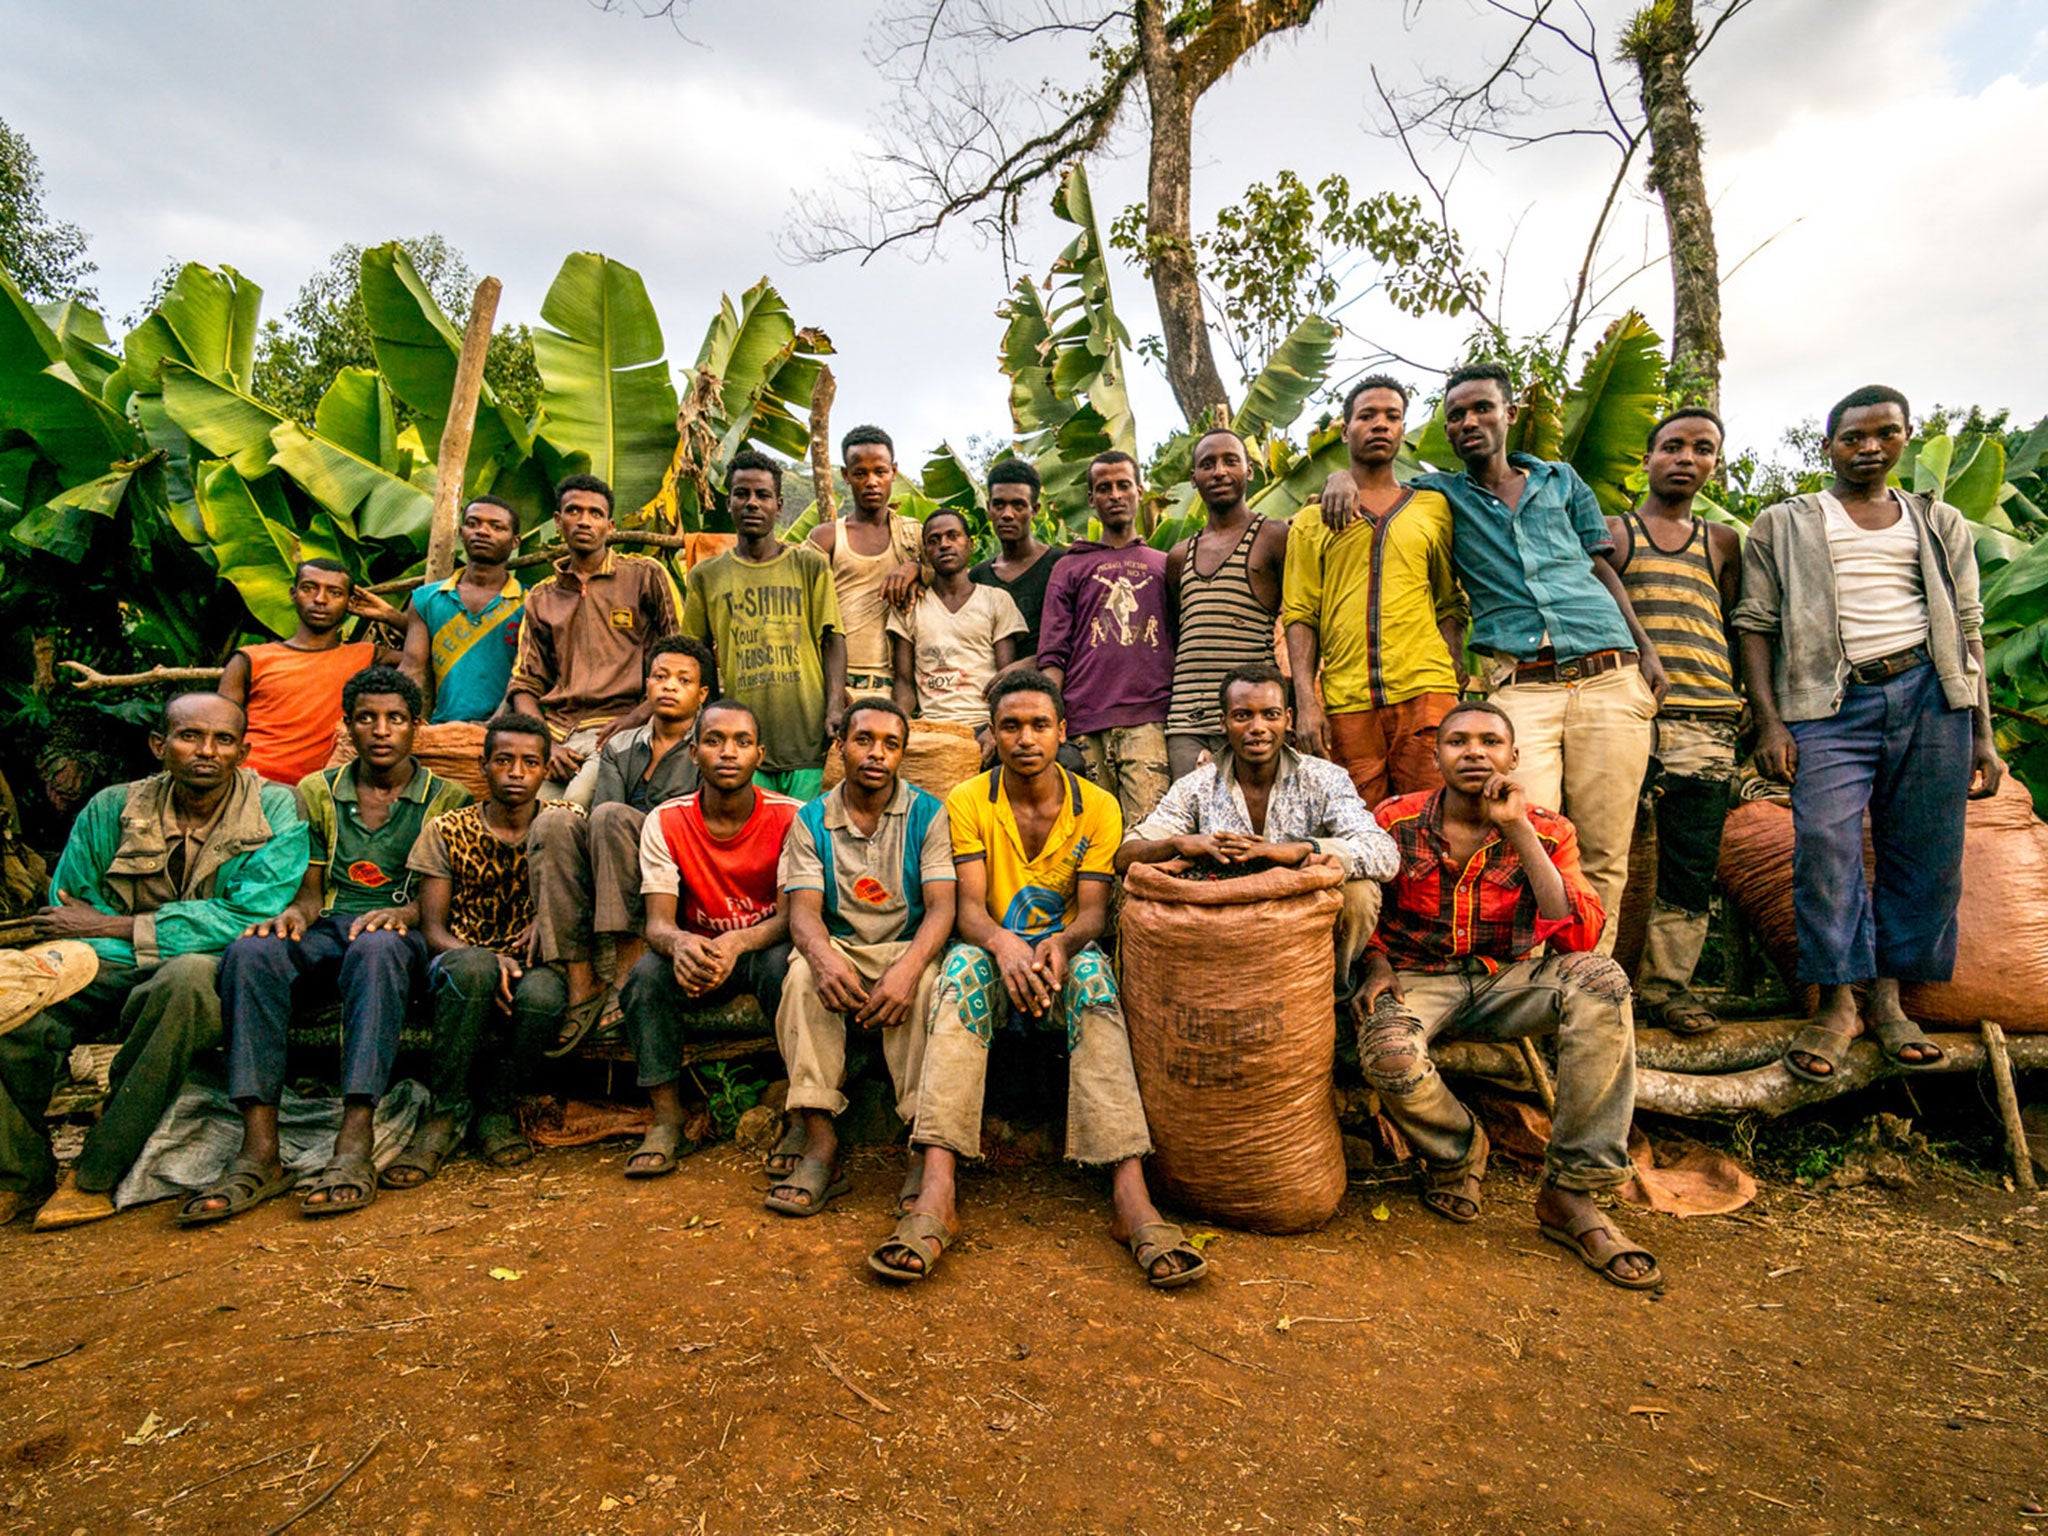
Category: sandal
<point>666,1145</point>
<point>504,1144</point>
<point>781,1162</point>
<point>1157,1240</point>
<point>812,1176</point>
<point>1594,1227</point>
<point>1687,1015</point>
<point>350,1175</point>
<point>922,1237</point>
<point>913,1184</point>
<point>423,1155</point>
<point>580,1019</point>
<point>1827,1046</point>
<point>1447,1191</point>
<point>244,1186</point>
<point>1900,1033</point>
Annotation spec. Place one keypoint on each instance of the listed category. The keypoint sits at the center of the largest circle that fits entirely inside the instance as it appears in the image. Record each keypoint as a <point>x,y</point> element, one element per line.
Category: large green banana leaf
<point>43,402</point>
<point>606,393</point>
<point>1608,413</point>
<point>208,321</point>
<point>257,549</point>
<point>766,367</point>
<point>1295,371</point>
<point>82,334</point>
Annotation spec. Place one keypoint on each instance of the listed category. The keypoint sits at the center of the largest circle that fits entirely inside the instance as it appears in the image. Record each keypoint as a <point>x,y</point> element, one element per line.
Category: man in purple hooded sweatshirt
<point>1103,638</point>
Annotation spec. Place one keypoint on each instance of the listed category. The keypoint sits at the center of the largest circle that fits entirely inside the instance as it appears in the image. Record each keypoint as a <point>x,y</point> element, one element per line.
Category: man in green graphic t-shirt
<point>768,612</point>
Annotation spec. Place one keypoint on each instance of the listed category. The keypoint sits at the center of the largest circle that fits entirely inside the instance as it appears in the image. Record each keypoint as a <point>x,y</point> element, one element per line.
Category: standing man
<point>494,1011</point>
<point>462,634</point>
<point>158,876</point>
<point>586,868</point>
<point>768,612</point>
<point>957,634</point>
<point>1487,880</point>
<point>1263,802</point>
<point>1859,620</point>
<point>583,640</point>
<point>1023,564</point>
<point>1376,607</point>
<point>1106,646</point>
<point>1032,845</point>
<point>868,874</point>
<point>1223,592</point>
<point>1571,664</point>
<point>1683,575</point>
<point>354,927</point>
<point>291,689</point>
<point>873,551</point>
<point>717,921</point>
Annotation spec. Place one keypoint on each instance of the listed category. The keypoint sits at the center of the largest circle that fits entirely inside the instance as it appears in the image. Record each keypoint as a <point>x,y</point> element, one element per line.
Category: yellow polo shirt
<point>1034,897</point>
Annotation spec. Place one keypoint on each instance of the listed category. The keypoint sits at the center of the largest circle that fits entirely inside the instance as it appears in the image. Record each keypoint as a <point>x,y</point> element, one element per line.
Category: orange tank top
<point>295,704</point>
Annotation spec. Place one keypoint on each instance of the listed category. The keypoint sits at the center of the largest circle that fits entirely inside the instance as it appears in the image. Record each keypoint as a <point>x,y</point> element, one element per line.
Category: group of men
<point>654,766</point>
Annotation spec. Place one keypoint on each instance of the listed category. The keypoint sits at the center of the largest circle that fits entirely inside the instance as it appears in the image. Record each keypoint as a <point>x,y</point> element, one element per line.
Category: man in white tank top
<point>875,554</point>
<point>1859,623</point>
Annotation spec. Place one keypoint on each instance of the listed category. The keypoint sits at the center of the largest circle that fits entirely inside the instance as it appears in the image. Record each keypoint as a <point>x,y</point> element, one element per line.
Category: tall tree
<point>45,256</point>
<point>965,142</point>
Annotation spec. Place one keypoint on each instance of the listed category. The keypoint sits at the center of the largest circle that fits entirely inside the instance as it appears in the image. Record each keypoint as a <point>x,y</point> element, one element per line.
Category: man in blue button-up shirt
<point>1569,663</point>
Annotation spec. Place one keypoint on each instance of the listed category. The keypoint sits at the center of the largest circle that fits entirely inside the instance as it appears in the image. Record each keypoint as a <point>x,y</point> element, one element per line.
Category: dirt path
<point>558,1350</point>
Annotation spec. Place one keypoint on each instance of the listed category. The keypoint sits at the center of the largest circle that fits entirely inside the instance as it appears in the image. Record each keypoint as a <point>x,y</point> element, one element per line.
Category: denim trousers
<point>1896,750</point>
<point>483,1055</point>
<point>661,1018</point>
<point>260,978</point>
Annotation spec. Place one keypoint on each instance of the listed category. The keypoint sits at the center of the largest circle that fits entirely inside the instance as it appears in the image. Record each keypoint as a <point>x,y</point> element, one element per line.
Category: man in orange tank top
<point>291,689</point>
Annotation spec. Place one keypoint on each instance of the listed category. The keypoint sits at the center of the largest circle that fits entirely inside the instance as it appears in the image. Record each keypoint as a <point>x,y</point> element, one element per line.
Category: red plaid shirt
<point>1436,915</point>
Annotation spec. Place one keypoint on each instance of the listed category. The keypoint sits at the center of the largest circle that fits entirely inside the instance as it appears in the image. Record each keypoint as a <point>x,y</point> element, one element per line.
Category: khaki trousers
<point>1105,1119</point>
<point>1584,749</point>
<point>585,872</point>
<point>813,1038</point>
<point>582,789</point>
<point>1129,761</point>
<point>1356,920</point>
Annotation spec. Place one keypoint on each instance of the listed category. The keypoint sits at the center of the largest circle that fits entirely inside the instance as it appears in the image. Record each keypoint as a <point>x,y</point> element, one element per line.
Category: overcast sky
<point>1890,152</point>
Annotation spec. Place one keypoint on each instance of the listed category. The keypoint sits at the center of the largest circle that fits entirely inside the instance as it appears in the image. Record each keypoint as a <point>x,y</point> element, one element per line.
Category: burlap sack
<point>938,755</point>
<point>455,751</point>
<point>2002,952</point>
<point>1227,995</point>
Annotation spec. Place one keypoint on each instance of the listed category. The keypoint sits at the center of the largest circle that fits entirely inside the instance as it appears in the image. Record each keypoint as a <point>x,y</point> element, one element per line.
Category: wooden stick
<point>846,1381</point>
<point>29,1365</point>
<point>90,681</point>
<point>821,444</point>
<point>1539,1074</point>
<point>2009,1107</point>
<point>456,431</point>
<point>332,1488</point>
<point>247,1466</point>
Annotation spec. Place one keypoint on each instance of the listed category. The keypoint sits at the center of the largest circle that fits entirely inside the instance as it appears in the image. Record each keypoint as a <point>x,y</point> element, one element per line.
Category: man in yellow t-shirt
<point>1032,844</point>
<point>1374,602</point>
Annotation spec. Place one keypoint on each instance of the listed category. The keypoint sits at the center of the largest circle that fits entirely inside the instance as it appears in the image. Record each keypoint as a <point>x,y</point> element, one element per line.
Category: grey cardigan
<point>1788,593</point>
<point>623,764</point>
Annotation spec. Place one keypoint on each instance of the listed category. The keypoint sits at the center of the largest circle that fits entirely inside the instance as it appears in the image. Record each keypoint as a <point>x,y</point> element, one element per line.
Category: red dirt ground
<point>554,1349</point>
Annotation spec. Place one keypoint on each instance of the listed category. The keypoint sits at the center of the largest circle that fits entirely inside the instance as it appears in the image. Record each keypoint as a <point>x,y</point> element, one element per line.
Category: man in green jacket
<point>158,877</point>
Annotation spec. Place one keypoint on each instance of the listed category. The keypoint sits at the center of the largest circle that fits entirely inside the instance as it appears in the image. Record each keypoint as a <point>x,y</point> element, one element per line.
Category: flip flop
<point>919,1234</point>
<point>668,1144</point>
<point>424,1154</point>
<point>503,1144</point>
<point>1579,1238</point>
<point>580,1019</point>
<point>1684,1015</point>
<point>794,1140</point>
<point>1442,1186</point>
<point>355,1174</point>
<point>816,1178</point>
<point>1830,1046</point>
<point>1154,1241</point>
<point>244,1186</point>
<point>1895,1035</point>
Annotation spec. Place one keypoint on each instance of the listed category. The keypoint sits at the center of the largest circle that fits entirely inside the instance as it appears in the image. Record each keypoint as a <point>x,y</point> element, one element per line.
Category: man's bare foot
<point>1573,1218</point>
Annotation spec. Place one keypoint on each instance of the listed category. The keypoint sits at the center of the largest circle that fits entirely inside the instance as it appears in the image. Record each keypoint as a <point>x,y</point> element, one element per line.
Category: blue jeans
<point>1896,749</point>
<point>484,1055</point>
<point>376,975</point>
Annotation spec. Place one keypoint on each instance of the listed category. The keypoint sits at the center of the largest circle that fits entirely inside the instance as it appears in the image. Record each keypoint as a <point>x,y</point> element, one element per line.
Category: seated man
<point>494,1013</point>
<point>1464,964</point>
<point>1263,802</point>
<point>586,869</point>
<point>1031,844</point>
<point>354,925</point>
<point>157,877</point>
<point>292,688</point>
<point>868,872</point>
<point>948,646</point>
<point>717,923</point>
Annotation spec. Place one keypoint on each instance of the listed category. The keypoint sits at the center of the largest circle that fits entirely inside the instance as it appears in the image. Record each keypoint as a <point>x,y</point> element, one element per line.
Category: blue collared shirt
<point>1529,573</point>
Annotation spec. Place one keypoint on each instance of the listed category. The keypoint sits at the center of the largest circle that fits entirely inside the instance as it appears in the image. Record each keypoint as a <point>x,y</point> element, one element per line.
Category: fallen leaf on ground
<point>145,1431</point>
<point>508,1274</point>
<point>1380,1212</point>
<point>1200,1240</point>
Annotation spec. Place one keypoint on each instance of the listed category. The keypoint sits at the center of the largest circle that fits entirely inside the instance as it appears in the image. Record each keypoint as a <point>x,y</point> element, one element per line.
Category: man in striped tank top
<point>1222,597</point>
<point>1683,576</point>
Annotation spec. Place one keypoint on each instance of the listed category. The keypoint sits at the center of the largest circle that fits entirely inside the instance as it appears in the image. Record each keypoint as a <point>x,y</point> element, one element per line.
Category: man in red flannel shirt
<point>1487,933</point>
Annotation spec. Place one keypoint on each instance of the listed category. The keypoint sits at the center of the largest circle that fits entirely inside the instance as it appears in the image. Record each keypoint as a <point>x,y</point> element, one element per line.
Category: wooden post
<point>821,444</point>
<point>1539,1074</point>
<point>2009,1107</point>
<point>455,434</point>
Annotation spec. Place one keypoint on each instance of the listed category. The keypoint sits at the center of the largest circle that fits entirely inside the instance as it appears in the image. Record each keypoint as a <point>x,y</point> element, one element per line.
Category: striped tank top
<point>1674,596</point>
<point>1222,625</point>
